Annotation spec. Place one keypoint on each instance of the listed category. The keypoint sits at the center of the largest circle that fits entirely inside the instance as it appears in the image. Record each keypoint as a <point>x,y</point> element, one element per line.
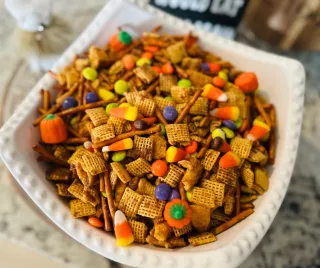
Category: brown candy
<point>216,143</point>
<point>140,124</point>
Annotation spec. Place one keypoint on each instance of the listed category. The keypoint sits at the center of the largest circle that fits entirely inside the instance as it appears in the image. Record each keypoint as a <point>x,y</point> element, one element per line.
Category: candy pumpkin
<point>177,213</point>
<point>53,129</point>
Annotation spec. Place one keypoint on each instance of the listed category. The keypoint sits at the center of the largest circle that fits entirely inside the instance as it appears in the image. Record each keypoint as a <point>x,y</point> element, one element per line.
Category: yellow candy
<point>218,132</point>
<point>189,195</point>
<point>125,104</point>
<point>142,61</point>
<point>105,94</point>
<point>223,75</point>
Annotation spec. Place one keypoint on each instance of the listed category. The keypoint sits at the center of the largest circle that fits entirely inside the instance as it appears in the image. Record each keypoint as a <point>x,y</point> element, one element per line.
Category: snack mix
<point>157,140</point>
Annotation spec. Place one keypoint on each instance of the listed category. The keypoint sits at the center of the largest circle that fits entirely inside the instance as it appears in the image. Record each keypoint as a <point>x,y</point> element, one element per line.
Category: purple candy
<point>229,124</point>
<point>163,192</point>
<point>174,195</point>
<point>170,113</point>
<point>92,97</point>
<point>69,103</point>
<point>205,66</point>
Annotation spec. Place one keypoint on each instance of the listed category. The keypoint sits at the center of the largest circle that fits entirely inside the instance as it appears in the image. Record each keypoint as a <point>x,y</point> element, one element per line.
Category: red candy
<point>192,147</point>
<point>167,68</point>
<point>159,168</point>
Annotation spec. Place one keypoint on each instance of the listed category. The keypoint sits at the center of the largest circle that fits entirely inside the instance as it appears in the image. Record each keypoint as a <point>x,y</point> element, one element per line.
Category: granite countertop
<point>290,242</point>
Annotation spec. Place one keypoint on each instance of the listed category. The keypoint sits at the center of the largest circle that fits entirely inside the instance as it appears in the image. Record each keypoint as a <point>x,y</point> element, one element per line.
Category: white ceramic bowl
<point>281,79</point>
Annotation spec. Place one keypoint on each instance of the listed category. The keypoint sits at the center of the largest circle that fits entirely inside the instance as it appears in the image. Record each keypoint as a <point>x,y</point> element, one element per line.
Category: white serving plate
<point>282,81</point>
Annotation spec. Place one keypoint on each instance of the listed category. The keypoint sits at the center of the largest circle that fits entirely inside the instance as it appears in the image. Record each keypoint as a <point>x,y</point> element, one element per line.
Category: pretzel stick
<point>130,134</point>
<point>127,76</point>
<point>106,215</point>
<point>102,187</point>
<point>128,49</point>
<point>181,72</point>
<point>71,148</point>
<point>267,106</point>
<point>108,190</point>
<point>43,152</point>
<point>45,99</point>
<point>248,103</point>
<point>122,100</point>
<point>73,131</point>
<point>89,86</point>
<point>60,93</point>
<point>68,93</point>
<point>75,140</point>
<point>204,149</point>
<point>246,206</point>
<point>85,117</point>
<point>189,106</point>
<point>237,198</point>
<point>159,115</point>
<point>41,111</point>
<point>50,111</point>
<point>85,107</point>
<point>272,147</point>
<point>161,59</point>
<point>225,226</point>
<point>152,86</point>
<point>157,28</point>
<point>261,110</point>
<point>81,94</point>
<point>212,104</point>
<point>272,114</point>
<point>182,191</point>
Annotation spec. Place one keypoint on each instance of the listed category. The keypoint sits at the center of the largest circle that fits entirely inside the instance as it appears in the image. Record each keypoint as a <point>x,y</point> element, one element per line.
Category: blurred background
<point>286,27</point>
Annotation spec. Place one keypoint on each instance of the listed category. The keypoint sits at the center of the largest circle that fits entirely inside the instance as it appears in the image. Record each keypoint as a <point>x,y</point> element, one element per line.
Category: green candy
<point>125,38</point>
<point>229,133</point>
<point>162,130</point>
<point>120,87</point>
<point>177,212</point>
<point>168,98</point>
<point>104,194</point>
<point>90,73</point>
<point>223,75</point>
<point>238,122</point>
<point>74,121</point>
<point>184,83</point>
<point>119,156</point>
<point>110,106</point>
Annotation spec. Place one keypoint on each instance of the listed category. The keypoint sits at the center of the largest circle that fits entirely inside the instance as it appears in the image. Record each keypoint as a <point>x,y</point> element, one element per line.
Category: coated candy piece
<point>189,195</point>
<point>122,229</point>
<point>69,102</point>
<point>140,124</point>
<point>247,82</point>
<point>92,97</point>
<point>229,160</point>
<point>214,67</point>
<point>163,191</point>
<point>122,145</point>
<point>147,55</point>
<point>121,86</point>
<point>220,145</point>
<point>120,40</point>
<point>105,94</point>
<point>167,68</point>
<point>226,113</point>
<point>230,124</point>
<point>170,113</point>
<point>213,93</point>
<point>258,130</point>
<point>162,129</point>
<point>95,222</point>
<point>142,61</point>
<point>175,154</point>
<point>89,73</point>
<point>119,156</point>
<point>128,113</point>
<point>128,62</point>
<point>174,195</point>
<point>192,147</point>
<point>53,129</point>
<point>218,132</point>
<point>223,75</point>
<point>218,81</point>
<point>229,133</point>
<point>184,83</point>
<point>177,213</point>
<point>159,168</point>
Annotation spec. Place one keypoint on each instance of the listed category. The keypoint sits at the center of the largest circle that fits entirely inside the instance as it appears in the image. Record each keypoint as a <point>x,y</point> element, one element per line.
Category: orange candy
<point>159,168</point>
<point>229,160</point>
<point>152,49</point>
<point>95,222</point>
<point>214,67</point>
<point>167,68</point>
<point>218,81</point>
<point>53,129</point>
<point>147,55</point>
<point>177,213</point>
<point>157,69</point>
<point>192,147</point>
<point>128,62</point>
<point>150,120</point>
<point>247,82</point>
<point>122,229</point>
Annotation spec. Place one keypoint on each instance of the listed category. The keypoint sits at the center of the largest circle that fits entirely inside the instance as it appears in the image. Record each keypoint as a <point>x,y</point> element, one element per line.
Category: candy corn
<point>229,160</point>
<point>122,229</point>
<point>128,113</point>
<point>175,154</point>
<point>247,82</point>
<point>258,130</point>
<point>213,93</point>
<point>122,145</point>
<point>226,113</point>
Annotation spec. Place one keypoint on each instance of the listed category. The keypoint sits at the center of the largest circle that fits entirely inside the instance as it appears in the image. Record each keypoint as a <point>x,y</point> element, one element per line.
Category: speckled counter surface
<point>290,242</point>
